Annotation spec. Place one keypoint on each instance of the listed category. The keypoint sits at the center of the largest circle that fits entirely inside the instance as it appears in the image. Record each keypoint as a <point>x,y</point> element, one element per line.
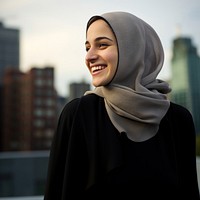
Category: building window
<point>39,82</point>
<point>38,112</point>
<point>50,113</point>
<point>38,123</point>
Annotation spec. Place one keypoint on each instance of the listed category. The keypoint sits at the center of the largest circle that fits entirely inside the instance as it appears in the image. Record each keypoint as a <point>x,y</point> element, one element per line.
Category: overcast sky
<point>52,32</point>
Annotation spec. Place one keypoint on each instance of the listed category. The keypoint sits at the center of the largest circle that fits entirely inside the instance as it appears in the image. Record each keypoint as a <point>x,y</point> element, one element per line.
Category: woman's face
<point>102,54</point>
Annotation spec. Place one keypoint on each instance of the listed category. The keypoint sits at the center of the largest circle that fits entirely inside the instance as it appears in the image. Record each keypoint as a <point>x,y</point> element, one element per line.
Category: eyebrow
<point>100,38</point>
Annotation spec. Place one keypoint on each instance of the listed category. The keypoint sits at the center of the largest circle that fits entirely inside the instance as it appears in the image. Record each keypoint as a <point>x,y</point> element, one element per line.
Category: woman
<point>124,139</point>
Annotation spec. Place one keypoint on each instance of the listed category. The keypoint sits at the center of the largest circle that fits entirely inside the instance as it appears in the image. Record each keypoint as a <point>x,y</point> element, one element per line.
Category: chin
<point>99,83</point>
<point>96,83</point>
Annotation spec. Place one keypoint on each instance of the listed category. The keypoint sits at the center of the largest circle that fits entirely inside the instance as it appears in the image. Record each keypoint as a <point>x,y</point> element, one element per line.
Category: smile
<point>97,68</point>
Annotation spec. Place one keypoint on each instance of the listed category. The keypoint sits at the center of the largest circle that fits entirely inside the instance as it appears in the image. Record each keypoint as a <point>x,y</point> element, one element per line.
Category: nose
<point>91,56</point>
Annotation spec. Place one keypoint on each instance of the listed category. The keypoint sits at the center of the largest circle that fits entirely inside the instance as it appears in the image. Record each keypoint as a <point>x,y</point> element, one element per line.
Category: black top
<point>90,159</point>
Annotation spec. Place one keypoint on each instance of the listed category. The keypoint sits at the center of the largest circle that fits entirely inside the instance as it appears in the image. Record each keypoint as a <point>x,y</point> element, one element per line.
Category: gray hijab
<point>135,99</point>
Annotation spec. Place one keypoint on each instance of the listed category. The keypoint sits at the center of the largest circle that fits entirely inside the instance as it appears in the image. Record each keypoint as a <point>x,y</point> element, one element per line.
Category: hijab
<point>135,99</point>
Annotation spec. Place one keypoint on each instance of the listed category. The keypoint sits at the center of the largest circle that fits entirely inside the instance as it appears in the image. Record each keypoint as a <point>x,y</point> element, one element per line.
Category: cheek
<point>112,67</point>
<point>113,60</point>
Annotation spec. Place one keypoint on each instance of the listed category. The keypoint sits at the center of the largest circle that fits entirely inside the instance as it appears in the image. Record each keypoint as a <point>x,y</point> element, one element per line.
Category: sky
<point>52,32</point>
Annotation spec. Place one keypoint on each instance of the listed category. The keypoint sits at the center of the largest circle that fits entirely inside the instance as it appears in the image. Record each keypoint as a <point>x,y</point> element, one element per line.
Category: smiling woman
<point>124,139</point>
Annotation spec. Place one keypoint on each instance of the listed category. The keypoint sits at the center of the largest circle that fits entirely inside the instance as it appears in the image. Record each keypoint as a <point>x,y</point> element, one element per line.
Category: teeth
<point>96,68</point>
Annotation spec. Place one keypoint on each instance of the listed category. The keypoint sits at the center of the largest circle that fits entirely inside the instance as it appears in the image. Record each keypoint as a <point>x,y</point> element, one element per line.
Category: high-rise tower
<point>186,77</point>
<point>9,49</point>
<point>9,57</point>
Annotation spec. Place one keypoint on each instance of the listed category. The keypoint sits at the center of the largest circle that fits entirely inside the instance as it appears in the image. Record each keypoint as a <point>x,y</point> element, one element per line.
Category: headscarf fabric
<point>135,99</point>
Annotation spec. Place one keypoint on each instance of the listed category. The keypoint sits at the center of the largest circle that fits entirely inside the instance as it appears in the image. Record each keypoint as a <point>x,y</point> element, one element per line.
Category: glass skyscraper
<point>186,77</point>
<point>9,49</point>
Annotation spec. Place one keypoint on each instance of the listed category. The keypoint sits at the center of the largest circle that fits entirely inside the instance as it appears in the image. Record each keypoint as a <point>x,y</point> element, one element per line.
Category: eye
<point>103,45</point>
<point>87,48</point>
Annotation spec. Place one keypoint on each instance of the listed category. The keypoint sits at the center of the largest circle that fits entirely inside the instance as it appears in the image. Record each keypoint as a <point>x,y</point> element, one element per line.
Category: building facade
<point>77,89</point>
<point>9,56</point>
<point>186,77</point>
<point>29,109</point>
<point>9,49</point>
<point>12,112</point>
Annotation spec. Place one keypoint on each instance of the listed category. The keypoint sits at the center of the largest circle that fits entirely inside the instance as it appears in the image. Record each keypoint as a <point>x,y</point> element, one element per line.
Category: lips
<point>97,68</point>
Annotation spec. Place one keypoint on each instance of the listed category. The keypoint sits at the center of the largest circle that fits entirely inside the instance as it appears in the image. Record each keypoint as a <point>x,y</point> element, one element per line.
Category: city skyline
<point>53,32</point>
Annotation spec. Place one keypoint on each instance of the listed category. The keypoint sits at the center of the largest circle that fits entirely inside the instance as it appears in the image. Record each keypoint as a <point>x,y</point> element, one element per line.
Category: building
<point>12,112</point>
<point>186,77</point>
<point>78,89</point>
<point>29,109</point>
<point>42,98</point>
<point>9,49</point>
<point>9,56</point>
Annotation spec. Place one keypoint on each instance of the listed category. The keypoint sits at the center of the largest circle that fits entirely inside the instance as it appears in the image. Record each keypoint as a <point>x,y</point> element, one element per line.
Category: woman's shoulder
<point>90,98</point>
<point>181,117</point>
<point>84,101</point>
<point>71,105</point>
<point>179,111</point>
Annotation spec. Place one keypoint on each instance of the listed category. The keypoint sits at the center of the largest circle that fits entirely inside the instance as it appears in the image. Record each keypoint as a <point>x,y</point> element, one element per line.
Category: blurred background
<point>42,68</point>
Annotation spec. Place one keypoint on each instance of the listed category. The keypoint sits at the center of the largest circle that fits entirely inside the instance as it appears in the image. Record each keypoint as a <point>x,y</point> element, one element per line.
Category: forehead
<point>100,28</point>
